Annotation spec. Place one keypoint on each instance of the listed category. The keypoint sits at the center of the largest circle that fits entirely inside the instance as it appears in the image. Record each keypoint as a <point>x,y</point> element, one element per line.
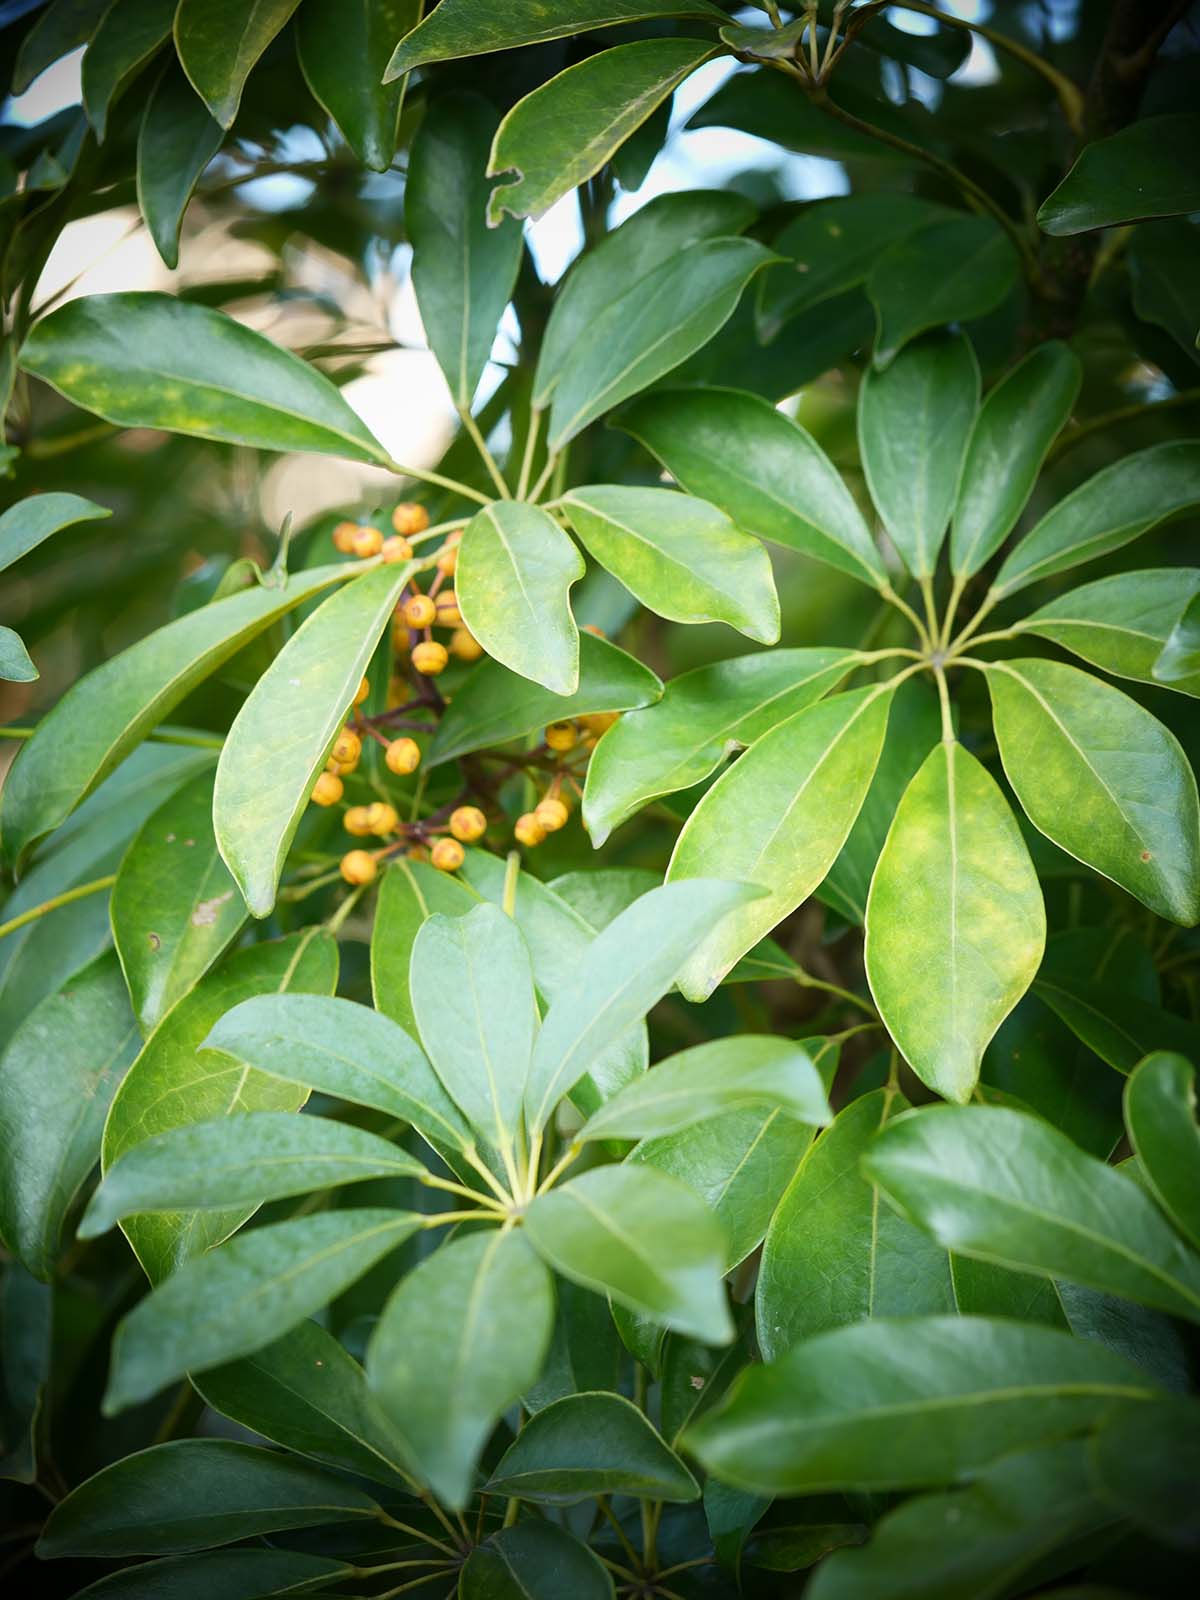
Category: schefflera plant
<point>465,1334</point>
<point>955,924</point>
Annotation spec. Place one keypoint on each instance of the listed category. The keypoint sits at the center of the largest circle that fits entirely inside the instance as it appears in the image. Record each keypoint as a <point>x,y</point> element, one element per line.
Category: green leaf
<point>584,1353</point>
<point>463,271</point>
<point>914,420</point>
<point>778,818</point>
<point>459,1341</point>
<point>1103,779</point>
<point>494,706</point>
<point>176,141</point>
<point>907,1403</point>
<point>343,51</point>
<point>1121,624</point>
<point>307,1394</point>
<point>1114,1024</point>
<point>58,1074</point>
<point>280,739</point>
<point>703,716</point>
<point>26,1348</point>
<point>641,1237</point>
<point>1160,1113</point>
<point>1016,425</point>
<point>174,905</point>
<point>1008,1188</point>
<point>588,1445</point>
<point>472,993</point>
<point>25,525</point>
<point>245,1574</point>
<point>410,892</point>
<point>1162,264</point>
<point>1144,1461</point>
<point>626,970</point>
<point>947,272</point>
<point>654,234</point>
<point>833,1255</point>
<point>169,1086</point>
<point>340,1049</point>
<point>722,1075</point>
<point>15,663</point>
<point>515,571</point>
<point>1144,170</point>
<point>129,33</point>
<point>602,99</point>
<point>476,27</point>
<point>974,1543</point>
<point>245,1294</point>
<point>152,361</point>
<point>652,328</point>
<point>105,714</point>
<point>533,1561</point>
<point>1179,664</point>
<point>955,921</point>
<point>679,556</point>
<point>219,42</point>
<point>192,1493</point>
<point>1107,511</point>
<point>63,26</point>
<point>222,1164</point>
<point>737,451</point>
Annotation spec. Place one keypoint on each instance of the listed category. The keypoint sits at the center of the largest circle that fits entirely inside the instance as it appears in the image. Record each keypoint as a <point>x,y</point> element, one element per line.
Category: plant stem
<point>445,1219</point>
<point>512,870</point>
<point>991,600</point>
<point>607,1511</point>
<point>952,604</point>
<point>570,1155</point>
<point>335,922</point>
<point>437,530</point>
<point>485,455</point>
<point>805,980</point>
<point>531,439</point>
<point>893,599</point>
<point>1110,419</point>
<point>931,616</point>
<point>472,1158</point>
<point>547,472</point>
<point>439,481</point>
<point>64,899</point>
<point>944,702</point>
<point>434,1182</point>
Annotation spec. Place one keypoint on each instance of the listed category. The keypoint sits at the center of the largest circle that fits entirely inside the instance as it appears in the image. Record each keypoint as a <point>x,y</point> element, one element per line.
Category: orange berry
<point>465,645</point>
<point>409,518</point>
<point>367,542</point>
<point>552,814</point>
<point>598,722</point>
<point>448,614</point>
<point>402,756</point>
<point>396,549</point>
<point>363,690</point>
<point>429,658</point>
<point>344,536</point>
<point>357,820</point>
<point>417,852</point>
<point>592,627</point>
<point>327,790</point>
<point>561,736</point>
<point>382,818</point>
<point>347,747</point>
<point>358,866</point>
<point>419,611</point>
<point>468,823</point>
<point>528,830</point>
<point>447,855</point>
<point>447,562</point>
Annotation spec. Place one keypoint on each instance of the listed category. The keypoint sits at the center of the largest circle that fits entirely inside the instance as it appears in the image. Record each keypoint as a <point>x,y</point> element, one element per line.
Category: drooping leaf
<point>472,995</point>
<point>494,706</point>
<point>1160,1113</point>
<point>177,140</point>
<point>25,525</point>
<point>105,714</point>
<point>281,737</point>
<point>192,1493</point>
<point>475,27</point>
<point>533,1561</point>
<point>1144,1461</point>
<point>1144,170</point>
<point>1122,624</point>
<point>587,1445</point>
<point>463,271</point>
<point>219,42</point>
<point>603,99</point>
<point>709,1079</point>
<point>947,272</point>
<point>245,1294</point>
<point>702,717</point>
<point>170,1085</point>
<point>778,818</point>
<point>129,33</point>
<point>58,1075</point>
<point>174,906</point>
<point>16,665</point>
<point>153,361</point>
<point>340,1049</point>
<point>1179,664</point>
<point>458,1342</point>
<point>625,970</point>
<point>737,451</point>
<point>651,329</point>
<point>1008,1188</point>
<point>641,1237</point>
<point>61,28</point>
<point>1016,425</point>
<point>955,899</point>
<point>1162,264</point>
<point>914,420</point>
<point>344,51</point>
<point>833,1253</point>
<point>1103,779</point>
<point>244,1574</point>
<point>515,571</point>
<point>1112,507</point>
<point>908,1403</point>
<point>26,1351</point>
<point>680,556</point>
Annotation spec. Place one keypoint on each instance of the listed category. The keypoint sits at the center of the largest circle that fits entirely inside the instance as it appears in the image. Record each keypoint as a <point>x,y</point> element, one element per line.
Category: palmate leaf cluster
<point>784,1178</point>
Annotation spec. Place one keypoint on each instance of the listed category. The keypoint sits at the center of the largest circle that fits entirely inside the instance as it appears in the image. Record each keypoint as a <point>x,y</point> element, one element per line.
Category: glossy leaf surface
<point>590,1444</point>
<point>947,272</point>
<point>129,33</point>
<point>1122,624</point>
<point>344,50</point>
<point>533,1561</point>
<point>1160,1113</point>
<point>27,524</point>
<point>219,42</point>
<point>1141,171</point>
<point>177,140</point>
<point>409,893</point>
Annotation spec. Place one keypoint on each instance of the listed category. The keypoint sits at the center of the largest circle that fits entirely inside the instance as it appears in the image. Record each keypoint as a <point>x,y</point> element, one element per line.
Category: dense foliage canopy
<point>609,1007</point>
